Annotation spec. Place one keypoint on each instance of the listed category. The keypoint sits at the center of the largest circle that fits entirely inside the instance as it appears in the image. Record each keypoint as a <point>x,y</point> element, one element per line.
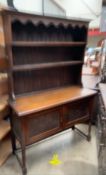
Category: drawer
<point>75,111</point>
<point>43,124</point>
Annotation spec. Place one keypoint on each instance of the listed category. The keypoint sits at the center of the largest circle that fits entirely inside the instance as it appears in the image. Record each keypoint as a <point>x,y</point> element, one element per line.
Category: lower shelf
<point>5,149</point>
<point>46,65</point>
<point>4,129</point>
<point>4,110</point>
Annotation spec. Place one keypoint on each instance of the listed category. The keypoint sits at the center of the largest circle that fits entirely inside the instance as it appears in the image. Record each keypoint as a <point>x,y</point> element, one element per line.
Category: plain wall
<point>89,9</point>
<point>74,8</point>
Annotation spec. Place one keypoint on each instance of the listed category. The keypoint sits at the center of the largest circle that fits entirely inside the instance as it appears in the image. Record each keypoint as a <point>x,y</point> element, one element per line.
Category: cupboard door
<point>75,112</point>
<point>43,124</point>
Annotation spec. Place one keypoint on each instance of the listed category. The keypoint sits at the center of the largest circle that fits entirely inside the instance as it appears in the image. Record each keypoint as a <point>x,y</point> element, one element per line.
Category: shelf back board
<point>48,45</point>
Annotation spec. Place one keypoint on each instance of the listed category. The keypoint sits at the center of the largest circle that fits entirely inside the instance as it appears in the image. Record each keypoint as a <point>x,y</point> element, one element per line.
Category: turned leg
<point>13,141</point>
<point>91,105</point>
<point>88,135</point>
<point>13,138</point>
<point>89,131</point>
<point>24,169</point>
<point>73,127</point>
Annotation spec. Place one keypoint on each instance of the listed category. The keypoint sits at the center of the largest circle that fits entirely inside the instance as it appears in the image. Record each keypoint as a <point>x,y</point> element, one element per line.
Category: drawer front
<point>43,124</point>
<point>76,111</point>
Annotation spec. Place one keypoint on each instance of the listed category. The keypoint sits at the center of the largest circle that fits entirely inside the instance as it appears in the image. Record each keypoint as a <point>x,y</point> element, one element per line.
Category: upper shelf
<point>4,129</point>
<point>45,65</point>
<point>47,43</point>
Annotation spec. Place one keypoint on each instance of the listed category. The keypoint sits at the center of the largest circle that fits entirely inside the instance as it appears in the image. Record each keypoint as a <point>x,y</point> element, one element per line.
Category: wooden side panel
<point>3,76</point>
<point>3,64</point>
<point>8,38</point>
<point>2,50</point>
<point>2,43</point>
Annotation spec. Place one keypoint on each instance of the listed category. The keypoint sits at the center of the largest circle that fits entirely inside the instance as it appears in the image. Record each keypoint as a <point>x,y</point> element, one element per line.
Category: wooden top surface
<point>40,101</point>
<point>102,87</point>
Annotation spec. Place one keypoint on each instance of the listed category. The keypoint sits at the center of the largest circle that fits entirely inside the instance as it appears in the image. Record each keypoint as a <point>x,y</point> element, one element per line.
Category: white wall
<point>29,5</point>
<point>90,9</point>
<point>74,8</point>
<point>80,8</point>
<point>56,11</point>
<point>3,2</point>
<point>34,6</point>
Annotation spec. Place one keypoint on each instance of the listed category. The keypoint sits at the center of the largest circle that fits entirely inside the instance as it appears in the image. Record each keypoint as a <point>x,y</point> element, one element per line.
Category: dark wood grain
<point>45,79</point>
<point>36,55</point>
<point>4,64</point>
<point>37,102</point>
<point>45,62</point>
<point>46,44</point>
<point>45,65</point>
